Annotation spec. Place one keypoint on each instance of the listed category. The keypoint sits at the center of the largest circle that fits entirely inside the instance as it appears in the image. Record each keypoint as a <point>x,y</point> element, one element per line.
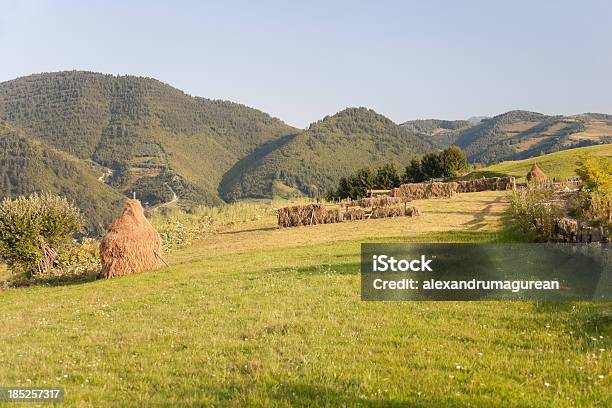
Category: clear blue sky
<point>300,61</point>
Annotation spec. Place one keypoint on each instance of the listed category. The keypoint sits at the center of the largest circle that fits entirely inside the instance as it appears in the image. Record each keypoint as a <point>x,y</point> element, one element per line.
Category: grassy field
<point>560,164</point>
<point>259,316</point>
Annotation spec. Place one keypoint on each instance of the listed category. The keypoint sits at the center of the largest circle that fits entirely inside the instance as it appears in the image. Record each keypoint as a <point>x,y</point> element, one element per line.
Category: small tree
<point>596,174</point>
<point>431,166</point>
<point>596,194</point>
<point>33,228</point>
<point>387,177</point>
<point>413,173</point>
<point>453,161</point>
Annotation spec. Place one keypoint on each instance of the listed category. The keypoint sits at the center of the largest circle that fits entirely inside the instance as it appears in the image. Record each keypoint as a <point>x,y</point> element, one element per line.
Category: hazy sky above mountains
<point>302,61</point>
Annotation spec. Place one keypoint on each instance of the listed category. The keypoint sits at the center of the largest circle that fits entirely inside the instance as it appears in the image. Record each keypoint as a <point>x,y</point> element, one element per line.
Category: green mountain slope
<point>28,166</point>
<point>147,132</point>
<point>437,132</point>
<point>520,134</point>
<point>314,160</point>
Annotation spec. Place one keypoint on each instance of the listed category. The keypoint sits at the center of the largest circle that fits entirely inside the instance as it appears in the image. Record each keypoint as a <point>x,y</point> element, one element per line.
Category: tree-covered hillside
<point>313,161</point>
<point>28,165</point>
<point>149,138</point>
<point>437,132</point>
<point>140,128</point>
<point>520,134</point>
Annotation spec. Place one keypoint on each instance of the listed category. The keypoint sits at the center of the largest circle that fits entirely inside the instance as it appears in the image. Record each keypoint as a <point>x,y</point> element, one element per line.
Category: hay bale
<point>131,244</point>
<point>420,191</point>
<point>310,214</point>
<point>353,214</point>
<point>380,201</point>
<point>417,191</point>
<point>536,174</point>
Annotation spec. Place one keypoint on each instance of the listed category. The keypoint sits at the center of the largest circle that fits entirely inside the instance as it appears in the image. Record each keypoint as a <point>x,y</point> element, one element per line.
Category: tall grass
<point>179,228</point>
<point>533,212</point>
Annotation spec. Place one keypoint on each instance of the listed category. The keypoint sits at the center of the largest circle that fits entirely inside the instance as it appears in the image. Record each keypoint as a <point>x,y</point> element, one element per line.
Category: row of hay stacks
<point>380,201</point>
<point>387,212</point>
<point>486,184</point>
<point>420,191</point>
<point>313,214</point>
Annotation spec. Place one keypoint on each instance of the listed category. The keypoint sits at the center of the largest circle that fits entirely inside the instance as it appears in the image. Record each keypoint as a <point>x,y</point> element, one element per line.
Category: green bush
<point>595,198</point>
<point>533,213</point>
<point>31,226</point>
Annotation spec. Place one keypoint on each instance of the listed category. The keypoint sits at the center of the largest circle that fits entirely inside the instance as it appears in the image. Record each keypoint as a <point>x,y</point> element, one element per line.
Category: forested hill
<point>314,160</point>
<point>516,134</point>
<point>28,165</point>
<point>149,134</point>
<point>97,138</point>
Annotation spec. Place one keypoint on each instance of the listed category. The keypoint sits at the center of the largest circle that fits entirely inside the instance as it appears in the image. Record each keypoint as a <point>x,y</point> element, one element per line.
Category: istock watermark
<point>486,272</point>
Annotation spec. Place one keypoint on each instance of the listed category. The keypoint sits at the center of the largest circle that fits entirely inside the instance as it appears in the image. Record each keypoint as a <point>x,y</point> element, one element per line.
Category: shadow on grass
<point>479,222</point>
<point>52,280</point>
<point>240,231</point>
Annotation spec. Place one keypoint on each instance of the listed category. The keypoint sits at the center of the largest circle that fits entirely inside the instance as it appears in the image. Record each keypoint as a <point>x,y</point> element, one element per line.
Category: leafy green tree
<point>431,166</point>
<point>361,182</point>
<point>413,173</point>
<point>596,174</point>
<point>453,162</point>
<point>387,177</point>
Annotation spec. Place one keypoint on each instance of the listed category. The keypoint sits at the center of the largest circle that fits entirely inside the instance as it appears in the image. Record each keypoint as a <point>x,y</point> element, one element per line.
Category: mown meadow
<point>251,315</point>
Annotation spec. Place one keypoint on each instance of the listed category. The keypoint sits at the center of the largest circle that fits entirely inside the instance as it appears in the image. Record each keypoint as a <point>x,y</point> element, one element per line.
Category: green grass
<point>560,164</point>
<point>258,316</point>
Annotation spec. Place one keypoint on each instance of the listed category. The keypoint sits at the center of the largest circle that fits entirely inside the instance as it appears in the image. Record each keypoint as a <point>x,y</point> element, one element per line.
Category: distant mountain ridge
<point>519,134</point>
<point>155,140</point>
<point>313,161</point>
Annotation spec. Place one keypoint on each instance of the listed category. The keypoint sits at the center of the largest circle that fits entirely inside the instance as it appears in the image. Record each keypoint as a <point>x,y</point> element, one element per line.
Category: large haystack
<point>536,174</point>
<point>130,245</point>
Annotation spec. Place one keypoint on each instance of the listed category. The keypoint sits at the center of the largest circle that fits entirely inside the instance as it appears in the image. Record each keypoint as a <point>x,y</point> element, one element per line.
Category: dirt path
<point>105,176</point>
<point>174,198</point>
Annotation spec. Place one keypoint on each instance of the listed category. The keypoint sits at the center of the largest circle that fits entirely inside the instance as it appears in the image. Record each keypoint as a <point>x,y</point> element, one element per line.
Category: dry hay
<point>536,174</point>
<point>354,214</point>
<point>486,184</point>
<point>131,244</point>
<point>380,201</point>
<point>313,214</point>
<point>420,191</point>
<point>387,212</point>
<point>310,214</point>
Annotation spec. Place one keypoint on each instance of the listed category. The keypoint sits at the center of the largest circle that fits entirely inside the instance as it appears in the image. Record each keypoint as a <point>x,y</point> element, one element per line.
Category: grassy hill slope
<point>139,127</point>
<point>314,160</point>
<point>28,165</point>
<point>260,316</point>
<point>559,164</point>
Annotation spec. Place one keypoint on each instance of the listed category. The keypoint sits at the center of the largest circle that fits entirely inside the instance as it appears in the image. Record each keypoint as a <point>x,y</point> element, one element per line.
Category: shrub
<point>533,213</point>
<point>79,258</point>
<point>595,198</point>
<point>33,228</point>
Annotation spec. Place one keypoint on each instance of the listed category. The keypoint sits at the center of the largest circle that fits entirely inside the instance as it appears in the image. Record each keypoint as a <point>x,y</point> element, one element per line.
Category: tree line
<point>448,163</point>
